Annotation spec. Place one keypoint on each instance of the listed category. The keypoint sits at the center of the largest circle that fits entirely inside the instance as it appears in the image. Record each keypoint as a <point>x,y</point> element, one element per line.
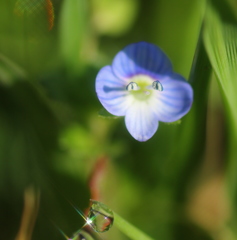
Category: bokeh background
<point>58,148</point>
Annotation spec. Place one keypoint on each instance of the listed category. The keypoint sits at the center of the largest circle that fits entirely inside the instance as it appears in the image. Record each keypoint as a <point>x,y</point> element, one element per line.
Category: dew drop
<point>157,86</point>
<point>100,217</point>
<point>132,86</point>
<point>82,235</point>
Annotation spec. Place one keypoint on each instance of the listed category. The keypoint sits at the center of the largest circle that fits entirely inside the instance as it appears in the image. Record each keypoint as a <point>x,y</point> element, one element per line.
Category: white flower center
<point>143,87</point>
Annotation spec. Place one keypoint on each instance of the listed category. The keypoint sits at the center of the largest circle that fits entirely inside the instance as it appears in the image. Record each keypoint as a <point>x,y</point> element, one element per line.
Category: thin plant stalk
<point>129,230</point>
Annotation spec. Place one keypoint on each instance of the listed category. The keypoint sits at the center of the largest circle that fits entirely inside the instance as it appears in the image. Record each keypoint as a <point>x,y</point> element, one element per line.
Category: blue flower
<point>142,86</point>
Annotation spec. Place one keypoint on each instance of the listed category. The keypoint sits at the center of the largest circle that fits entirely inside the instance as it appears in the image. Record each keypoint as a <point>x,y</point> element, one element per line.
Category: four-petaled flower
<point>142,86</point>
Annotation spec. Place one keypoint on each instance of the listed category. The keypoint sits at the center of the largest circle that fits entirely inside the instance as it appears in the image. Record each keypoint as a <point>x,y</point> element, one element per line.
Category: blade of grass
<point>220,41</point>
<point>73,24</point>
<point>129,230</point>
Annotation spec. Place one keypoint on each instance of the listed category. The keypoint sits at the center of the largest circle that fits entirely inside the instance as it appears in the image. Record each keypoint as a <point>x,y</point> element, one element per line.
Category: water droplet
<point>100,217</point>
<point>82,235</point>
<point>132,86</point>
<point>157,86</point>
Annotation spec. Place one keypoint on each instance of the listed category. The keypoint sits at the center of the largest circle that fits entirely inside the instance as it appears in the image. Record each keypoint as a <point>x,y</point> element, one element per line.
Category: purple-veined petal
<point>174,101</point>
<point>141,121</point>
<point>111,92</point>
<point>141,58</point>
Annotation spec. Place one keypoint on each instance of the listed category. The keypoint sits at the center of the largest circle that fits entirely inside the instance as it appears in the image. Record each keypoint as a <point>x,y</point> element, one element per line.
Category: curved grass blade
<point>220,41</point>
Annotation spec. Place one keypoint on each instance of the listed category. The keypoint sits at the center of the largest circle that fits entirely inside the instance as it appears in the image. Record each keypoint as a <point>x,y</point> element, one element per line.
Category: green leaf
<point>128,229</point>
<point>221,46</point>
<point>191,134</point>
<point>72,32</point>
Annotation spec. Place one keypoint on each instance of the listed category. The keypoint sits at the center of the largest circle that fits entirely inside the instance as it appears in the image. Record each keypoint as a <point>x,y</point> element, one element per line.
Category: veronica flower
<point>141,85</point>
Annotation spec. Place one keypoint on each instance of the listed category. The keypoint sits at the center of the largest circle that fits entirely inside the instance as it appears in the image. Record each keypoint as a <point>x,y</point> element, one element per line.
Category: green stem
<point>129,230</point>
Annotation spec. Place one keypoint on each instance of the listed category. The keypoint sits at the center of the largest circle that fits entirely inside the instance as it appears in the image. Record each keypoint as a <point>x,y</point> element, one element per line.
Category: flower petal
<point>111,92</point>
<point>141,58</point>
<point>174,101</point>
<point>141,121</point>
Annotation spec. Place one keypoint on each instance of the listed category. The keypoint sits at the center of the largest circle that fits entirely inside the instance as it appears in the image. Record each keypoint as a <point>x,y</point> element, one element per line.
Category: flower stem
<point>128,229</point>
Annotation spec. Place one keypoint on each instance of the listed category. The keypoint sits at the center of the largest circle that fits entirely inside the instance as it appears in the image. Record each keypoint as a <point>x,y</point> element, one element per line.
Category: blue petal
<point>141,121</point>
<point>141,58</point>
<point>175,100</point>
<point>111,92</point>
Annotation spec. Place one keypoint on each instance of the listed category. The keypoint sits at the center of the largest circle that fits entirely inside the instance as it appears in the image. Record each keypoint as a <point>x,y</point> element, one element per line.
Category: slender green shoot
<point>129,230</point>
<point>221,46</point>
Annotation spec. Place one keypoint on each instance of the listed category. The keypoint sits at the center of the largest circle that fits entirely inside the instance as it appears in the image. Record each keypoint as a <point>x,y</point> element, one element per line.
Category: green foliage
<point>115,17</point>
<point>73,28</point>
<point>221,45</point>
<point>54,132</point>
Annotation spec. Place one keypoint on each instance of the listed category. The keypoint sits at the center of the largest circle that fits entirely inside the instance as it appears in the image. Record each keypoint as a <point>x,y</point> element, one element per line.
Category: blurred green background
<point>54,146</point>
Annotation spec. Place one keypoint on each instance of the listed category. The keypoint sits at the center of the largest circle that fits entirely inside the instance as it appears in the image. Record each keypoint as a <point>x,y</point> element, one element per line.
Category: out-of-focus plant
<point>221,46</point>
<point>113,17</point>
<point>52,137</point>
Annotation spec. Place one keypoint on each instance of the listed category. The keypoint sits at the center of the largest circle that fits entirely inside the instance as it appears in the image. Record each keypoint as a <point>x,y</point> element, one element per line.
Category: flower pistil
<point>142,87</point>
